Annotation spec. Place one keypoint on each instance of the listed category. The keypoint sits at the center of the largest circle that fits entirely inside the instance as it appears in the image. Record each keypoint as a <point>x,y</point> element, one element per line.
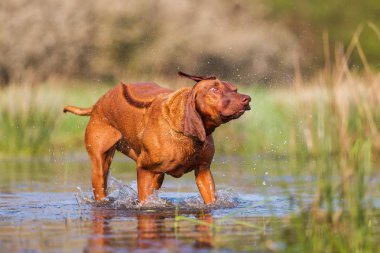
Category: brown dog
<point>164,131</point>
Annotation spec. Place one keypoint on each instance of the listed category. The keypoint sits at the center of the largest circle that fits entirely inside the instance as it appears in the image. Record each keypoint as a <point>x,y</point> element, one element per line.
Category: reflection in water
<point>39,213</point>
<point>152,232</point>
<point>100,228</point>
<point>205,236</point>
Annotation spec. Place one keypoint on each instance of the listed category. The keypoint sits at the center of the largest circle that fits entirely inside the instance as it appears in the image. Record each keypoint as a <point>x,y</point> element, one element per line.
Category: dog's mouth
<point>226,118</point>
<point>241,112</point>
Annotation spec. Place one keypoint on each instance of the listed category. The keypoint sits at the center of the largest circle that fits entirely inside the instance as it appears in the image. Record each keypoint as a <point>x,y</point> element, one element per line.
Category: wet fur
<point>162,130</point>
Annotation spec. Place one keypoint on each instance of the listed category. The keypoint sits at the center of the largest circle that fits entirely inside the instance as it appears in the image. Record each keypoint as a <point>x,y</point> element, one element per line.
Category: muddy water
<point>46,206</point>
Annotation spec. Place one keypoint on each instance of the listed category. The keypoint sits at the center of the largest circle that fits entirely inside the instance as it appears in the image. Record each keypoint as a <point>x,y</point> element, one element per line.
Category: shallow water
<point>46,206</point>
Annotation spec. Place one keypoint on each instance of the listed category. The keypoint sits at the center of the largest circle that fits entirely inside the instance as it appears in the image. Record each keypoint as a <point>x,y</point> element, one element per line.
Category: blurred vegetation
<point>246,41</point>
<point>28,116</point>
<point>339,18</point>
<point>324,115</point>
<point>343,216</point>
<point>117,39</point>
<point>308,121</point>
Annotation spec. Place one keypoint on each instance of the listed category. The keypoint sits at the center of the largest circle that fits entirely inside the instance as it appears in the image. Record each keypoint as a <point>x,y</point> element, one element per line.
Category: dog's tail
<point>77,110</point>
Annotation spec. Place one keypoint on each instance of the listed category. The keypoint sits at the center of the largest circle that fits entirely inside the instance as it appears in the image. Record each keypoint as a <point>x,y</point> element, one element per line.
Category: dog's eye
<point>215,90</point>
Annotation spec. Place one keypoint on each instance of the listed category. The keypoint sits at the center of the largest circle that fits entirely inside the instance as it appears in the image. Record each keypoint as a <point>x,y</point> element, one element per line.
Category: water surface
<point>46,206</point>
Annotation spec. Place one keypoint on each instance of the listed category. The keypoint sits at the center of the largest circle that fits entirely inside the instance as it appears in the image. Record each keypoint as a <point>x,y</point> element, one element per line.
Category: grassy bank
<point>31,118</point>
<point>307,120</point>
<point>28,119</point>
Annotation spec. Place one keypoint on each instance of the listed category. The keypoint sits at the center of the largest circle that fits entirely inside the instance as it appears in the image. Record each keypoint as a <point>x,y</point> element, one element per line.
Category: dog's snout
<point>245,99</point>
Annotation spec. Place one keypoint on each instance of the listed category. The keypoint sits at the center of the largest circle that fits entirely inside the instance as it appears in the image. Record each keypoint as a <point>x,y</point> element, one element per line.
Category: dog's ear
<point>196,78</point>
<point>193,125</point>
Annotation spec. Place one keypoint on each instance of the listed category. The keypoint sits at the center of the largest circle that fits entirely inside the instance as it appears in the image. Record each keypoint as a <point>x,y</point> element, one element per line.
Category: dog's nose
<point>245,100</point>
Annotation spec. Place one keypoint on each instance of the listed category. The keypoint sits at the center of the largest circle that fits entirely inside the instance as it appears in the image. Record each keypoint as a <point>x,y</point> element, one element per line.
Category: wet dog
<point>164,131</point>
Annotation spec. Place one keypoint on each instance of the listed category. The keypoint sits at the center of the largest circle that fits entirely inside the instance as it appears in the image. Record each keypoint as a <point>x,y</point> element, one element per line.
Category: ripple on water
<point>124,196</point>
<point>48,205</point>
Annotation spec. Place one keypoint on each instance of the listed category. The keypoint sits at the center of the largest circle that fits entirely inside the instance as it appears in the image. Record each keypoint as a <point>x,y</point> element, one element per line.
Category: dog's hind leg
<point>100,144</point>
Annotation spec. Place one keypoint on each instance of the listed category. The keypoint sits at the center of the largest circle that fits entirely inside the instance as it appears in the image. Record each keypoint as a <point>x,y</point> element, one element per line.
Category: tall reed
<point>341,129</point>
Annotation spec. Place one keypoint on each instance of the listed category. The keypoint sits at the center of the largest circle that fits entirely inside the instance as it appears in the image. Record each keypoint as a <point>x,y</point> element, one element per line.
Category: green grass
<point>32,121</point>
<point>69,134</point>
<point>307,122</point>
<point>28,118</point>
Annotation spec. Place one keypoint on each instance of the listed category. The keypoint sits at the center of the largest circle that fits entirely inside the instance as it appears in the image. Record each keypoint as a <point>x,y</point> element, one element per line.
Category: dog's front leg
<point>206,185</point>
<point>147,181</point>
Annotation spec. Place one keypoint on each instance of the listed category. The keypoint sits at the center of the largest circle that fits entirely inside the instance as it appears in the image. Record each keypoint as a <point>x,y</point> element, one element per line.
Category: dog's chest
<point>168,150</point>
<point>184,153</point>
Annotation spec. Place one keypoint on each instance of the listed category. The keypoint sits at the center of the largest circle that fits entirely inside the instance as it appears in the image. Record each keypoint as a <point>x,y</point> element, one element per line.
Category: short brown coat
<point>164,131</point>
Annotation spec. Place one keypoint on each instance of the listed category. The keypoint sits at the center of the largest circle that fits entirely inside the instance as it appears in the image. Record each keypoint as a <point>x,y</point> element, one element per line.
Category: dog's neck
<point>175,110</point>
<point>209,125</point>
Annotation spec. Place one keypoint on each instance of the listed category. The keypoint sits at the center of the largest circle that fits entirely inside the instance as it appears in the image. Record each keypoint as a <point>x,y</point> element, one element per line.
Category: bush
<point>117,39</point>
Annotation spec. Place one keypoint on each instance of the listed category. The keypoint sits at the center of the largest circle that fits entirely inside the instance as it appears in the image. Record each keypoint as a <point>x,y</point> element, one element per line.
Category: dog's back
<point>124,107</point>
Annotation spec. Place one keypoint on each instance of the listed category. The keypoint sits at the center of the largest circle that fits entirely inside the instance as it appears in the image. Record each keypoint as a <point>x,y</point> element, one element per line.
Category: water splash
<point>124,196</point>
<point>119,195</point>
<point>225,198</point>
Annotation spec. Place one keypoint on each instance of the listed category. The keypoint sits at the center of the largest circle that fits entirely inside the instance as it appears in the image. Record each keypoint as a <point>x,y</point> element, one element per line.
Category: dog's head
<point>211,103</point>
